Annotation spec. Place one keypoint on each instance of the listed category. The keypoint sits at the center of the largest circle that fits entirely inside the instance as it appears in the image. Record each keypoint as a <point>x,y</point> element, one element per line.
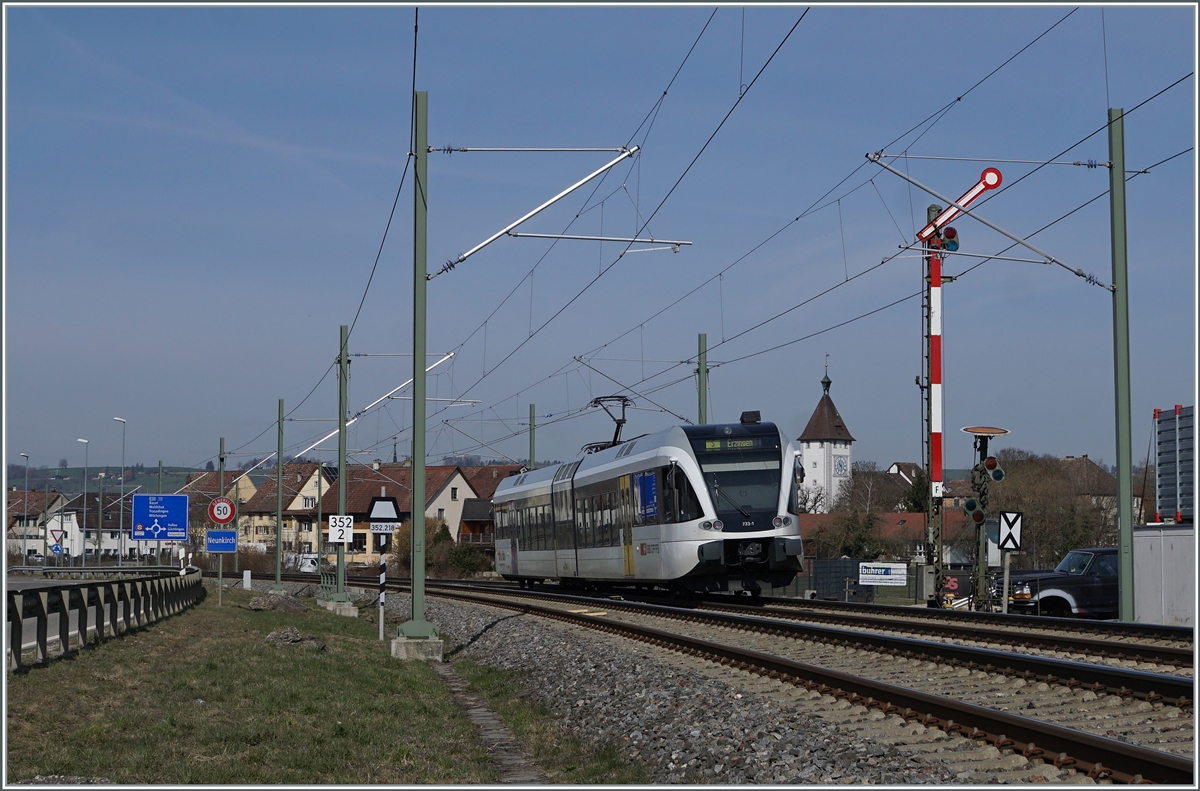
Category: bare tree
<point>869,490</point>
<point>1058,515</point>
<point>811,499</point>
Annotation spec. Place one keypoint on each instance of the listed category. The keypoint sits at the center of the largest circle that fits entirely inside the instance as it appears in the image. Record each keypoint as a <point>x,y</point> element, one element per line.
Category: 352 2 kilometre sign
<point>341,529</point>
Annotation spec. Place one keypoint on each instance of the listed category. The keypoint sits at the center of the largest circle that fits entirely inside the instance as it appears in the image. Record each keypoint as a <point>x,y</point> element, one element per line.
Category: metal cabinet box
<point>1164,574</point>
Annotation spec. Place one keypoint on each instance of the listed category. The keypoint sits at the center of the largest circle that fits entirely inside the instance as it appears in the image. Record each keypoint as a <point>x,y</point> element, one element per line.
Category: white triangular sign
<point>384,509</point>
<point>1010,530</point>
<point>57,535</point>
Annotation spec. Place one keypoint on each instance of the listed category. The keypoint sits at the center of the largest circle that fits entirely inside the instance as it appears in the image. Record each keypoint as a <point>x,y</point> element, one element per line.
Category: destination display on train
<point>732,443</point>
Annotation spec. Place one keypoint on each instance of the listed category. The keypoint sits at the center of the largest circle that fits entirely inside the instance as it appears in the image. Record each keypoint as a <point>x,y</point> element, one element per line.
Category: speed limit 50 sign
<point>341,529</point>
<point>220,510</point>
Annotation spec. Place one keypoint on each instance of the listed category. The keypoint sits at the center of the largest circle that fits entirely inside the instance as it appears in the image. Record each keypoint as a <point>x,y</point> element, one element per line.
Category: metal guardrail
<point>146,599</point>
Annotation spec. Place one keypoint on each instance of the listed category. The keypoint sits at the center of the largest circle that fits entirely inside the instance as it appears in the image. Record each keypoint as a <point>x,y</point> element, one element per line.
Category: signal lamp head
<point>950,239</point>
<point>990,463</point>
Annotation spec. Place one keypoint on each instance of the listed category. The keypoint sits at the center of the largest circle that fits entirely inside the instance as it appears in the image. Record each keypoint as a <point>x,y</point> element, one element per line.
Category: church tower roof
<point>826,424</point>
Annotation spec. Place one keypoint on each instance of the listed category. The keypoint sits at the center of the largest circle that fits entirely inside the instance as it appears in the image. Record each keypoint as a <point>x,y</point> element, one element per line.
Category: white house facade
<point>825,450</point>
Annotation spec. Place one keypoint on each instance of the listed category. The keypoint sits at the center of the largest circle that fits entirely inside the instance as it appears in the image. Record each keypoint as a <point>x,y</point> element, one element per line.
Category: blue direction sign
<point>221,541</point>
<point>160,517</point>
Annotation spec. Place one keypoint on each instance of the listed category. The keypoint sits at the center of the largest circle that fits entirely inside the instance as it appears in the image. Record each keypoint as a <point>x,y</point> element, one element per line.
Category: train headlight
<point>718,525</point>
<point>787,520</point>
<point>706,525</point>
<point>777,521</point>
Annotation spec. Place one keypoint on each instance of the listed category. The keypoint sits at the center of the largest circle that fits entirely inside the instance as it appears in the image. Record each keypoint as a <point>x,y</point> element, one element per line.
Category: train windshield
<point>741,473</point>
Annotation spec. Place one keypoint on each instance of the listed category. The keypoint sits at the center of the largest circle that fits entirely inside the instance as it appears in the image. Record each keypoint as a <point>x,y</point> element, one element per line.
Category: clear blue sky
<point>195,198</point>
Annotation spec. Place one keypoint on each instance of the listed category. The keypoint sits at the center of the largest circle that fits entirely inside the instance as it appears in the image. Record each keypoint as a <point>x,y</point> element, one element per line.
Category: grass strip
<point>199,698</point>
<point>564,758</point>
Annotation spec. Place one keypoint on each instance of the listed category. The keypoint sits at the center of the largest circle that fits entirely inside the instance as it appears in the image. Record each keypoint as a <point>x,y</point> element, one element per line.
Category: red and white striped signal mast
<point>938,236</point>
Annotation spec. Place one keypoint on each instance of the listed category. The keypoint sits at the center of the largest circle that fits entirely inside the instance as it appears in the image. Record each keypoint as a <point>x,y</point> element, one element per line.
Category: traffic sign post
<point>160,517</point>
<point>1009,541</point>
<point>384,517</point>
<point>341,529</point>
<point>220,510</point>
<point>220,542</point>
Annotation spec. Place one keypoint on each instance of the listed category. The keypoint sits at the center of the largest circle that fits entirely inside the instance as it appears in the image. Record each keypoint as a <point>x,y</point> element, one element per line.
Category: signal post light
<point>950,239</point>
<point>974,510</point>
<point>987,470</point>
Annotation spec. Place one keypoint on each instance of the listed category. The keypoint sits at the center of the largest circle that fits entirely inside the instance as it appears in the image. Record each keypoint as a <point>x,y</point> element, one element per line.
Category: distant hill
<point>69,480</point>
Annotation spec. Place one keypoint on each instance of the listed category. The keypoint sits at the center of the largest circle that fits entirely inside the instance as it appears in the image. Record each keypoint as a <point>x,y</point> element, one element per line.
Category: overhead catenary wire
<point>651,116</point>
<point>816,205</point>
<point>891,304</point>
<point>662,202</point>
<point>655,108</point>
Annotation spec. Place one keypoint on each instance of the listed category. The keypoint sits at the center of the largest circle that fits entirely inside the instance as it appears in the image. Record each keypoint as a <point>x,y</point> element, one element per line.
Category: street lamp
<point>83,556</point>
<point>121,535</point>
<point>25,515</point>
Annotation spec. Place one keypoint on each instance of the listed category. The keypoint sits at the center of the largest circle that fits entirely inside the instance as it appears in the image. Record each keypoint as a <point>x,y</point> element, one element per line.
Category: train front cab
<point>748,488</point>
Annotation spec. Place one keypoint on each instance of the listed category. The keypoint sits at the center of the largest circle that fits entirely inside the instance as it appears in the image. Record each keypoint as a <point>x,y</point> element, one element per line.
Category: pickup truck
<point>1085,583</point>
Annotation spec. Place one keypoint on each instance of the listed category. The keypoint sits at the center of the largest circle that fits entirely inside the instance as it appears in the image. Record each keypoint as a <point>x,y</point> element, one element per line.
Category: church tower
<point>825,449</point>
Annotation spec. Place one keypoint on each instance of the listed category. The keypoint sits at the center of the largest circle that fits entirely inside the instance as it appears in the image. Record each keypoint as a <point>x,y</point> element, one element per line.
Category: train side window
<point>681,504</point>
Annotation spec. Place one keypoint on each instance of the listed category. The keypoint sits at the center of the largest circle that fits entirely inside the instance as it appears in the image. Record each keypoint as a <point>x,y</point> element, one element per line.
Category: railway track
<point>1098,719</point>
<point>856,674</point>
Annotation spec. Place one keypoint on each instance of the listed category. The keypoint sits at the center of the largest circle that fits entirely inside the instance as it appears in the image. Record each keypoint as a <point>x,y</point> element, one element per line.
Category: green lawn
<point>200,698</point>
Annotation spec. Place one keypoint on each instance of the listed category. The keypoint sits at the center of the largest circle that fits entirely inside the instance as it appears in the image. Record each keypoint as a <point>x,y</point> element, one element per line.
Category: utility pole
<point>316,546</point>
<point>702,377</point>
<point>158,542</point>
<point>339,594</point>
<point>417,626</point>
<point>532,445</point>
<point>221,493</point>
<point>1120,277</point>
<point>933,406</point>
<point>46,523</point>
<point>279,503</point>
<point>25,518</point>
<point>99,521</point>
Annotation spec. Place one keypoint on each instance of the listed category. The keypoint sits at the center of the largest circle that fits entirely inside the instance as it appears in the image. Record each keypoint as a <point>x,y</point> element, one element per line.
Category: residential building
<point>486,478</point>
<point>446,491</point>
<point>27,515</point>
<point>905,530</point>
<point>303,483</point>
<point>477,527</point>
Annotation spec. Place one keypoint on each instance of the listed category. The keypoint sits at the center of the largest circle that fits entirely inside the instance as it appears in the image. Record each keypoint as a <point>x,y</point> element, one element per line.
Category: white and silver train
<point>693,508</point>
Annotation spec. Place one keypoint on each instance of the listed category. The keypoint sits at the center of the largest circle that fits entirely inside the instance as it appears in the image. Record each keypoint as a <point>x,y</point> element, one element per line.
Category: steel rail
<point>1176,690</point>
<point>1139,652</point>
<point>1062,746</point>
<point>1116,628</point>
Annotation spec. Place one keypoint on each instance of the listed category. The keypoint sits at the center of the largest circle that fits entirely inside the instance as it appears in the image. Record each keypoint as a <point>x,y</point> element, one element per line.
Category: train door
<point>625,517</point>
<point>514,519</point>
<point>562,503</point>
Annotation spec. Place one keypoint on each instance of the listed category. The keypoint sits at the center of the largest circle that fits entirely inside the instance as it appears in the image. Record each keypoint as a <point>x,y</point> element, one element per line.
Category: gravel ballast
<point>684,726</point>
